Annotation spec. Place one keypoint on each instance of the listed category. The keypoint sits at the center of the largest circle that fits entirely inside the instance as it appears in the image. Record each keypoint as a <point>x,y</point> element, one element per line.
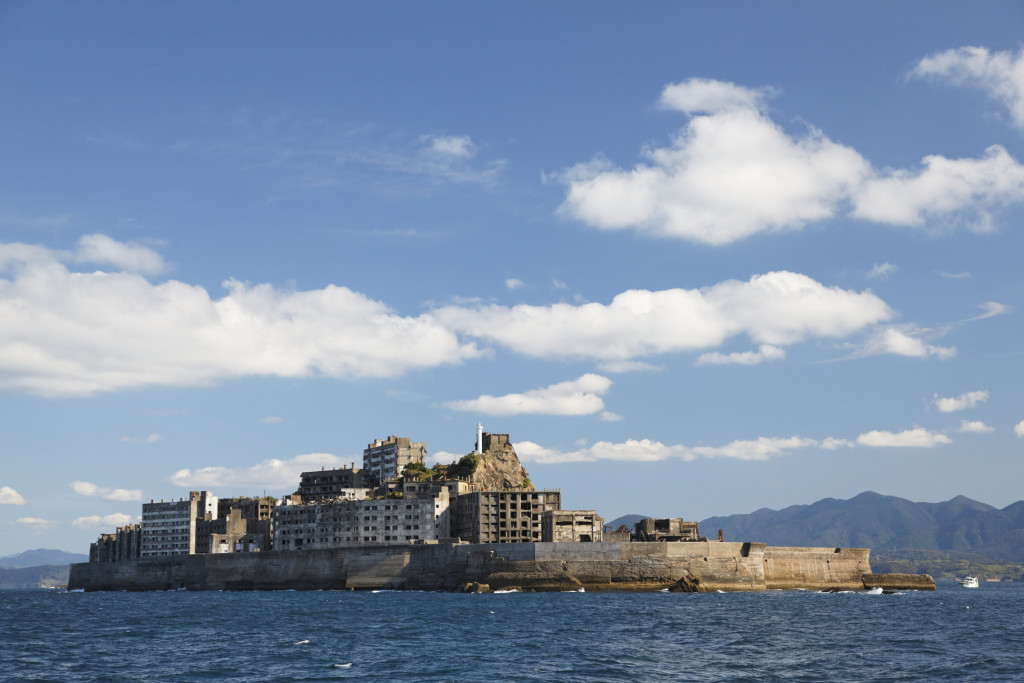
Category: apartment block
<point>169,527</point>
<point>386,458</point>
<point>512,516</point>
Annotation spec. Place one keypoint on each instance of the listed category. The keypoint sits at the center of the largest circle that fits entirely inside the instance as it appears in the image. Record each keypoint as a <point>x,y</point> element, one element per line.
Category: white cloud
<point>726,176</point>
<point>962,275</point>
<point>273,420</point>
<point>965,400</point>
<point>1019,428</point>
<point>108,522</point>
<point>617,366</point>
<point>460,146</point>
<point>703,95</point>
<point>608,416</point>
<point>85,488</point>
<point>9,496</point>
<point>580,396</point>
<point>990,309</point>
<point>512,284</point>
<point>646,450</point>
<point>776,309</point>
<point>999,74</point>
<point>65,333</point>
<point>766,352</point>
<point>974,427</point>
<point>36,524</point>
<point>732,172</point>
<point>882,271</point>
<point>943,188</point>
<point>270,474</point>
<point>130,257</point>
<point>911,438</point>
<point>905,341</point>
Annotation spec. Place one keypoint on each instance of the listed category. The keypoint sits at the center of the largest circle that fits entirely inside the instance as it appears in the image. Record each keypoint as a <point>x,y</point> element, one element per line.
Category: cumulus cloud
<point>131,257</point>
<point>999,74</point>
<point>732,172</point>
<point>580,396</point>
<point>646,450</point>
<point>974,427</point>
<point>270,474</point>
<point>882,271</point>
<point>37,524</point>
<point>1019,428</point>
<point>727,175</point>
<point>512,284</point>
<point>704,95</point>
<point>9,496</point>
<point>910,438</point>
<point>65,333</point>
<point>965,400</point>
<point>102,521</point>
<point>85,488</point>
<point>905,340</point>
<point>765,352</point>
<point>943,188</point>
<point>775,309</point>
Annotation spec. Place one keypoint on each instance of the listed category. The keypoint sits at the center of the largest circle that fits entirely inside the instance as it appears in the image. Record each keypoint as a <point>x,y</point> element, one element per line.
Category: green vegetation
<point>463,468</point>
<point>49,576</point>
<point>943,565</point>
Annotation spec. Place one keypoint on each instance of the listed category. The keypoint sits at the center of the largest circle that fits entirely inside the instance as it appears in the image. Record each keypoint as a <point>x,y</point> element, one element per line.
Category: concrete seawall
<point>703,566</point>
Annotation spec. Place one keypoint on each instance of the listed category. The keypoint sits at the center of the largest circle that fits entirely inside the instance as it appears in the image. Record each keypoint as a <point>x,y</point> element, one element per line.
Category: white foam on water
<point>343,666</point>
<point>301,642</point>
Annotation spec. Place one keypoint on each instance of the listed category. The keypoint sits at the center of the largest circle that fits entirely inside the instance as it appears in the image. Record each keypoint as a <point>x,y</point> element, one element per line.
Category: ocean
<point>950,634</point>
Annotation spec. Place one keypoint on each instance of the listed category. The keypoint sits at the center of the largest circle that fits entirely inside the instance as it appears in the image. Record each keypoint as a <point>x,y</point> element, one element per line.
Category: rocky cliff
<point>500,469</point>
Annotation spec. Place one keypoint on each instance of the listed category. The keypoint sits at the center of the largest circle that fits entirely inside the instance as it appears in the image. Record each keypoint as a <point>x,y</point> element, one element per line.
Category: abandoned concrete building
<point>666,530</point>
<point>571,526</point>
<point>169,527</point>
<point>386,458</point>
<point>502,516</point>
<point>347,482</point>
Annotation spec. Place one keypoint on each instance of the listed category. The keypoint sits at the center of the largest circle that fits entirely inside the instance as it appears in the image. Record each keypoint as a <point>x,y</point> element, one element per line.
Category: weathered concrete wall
<point>815,568</point>
<point>703,566</point>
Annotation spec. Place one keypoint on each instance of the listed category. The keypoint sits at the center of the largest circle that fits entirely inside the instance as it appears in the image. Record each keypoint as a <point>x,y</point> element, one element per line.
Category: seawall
<point>704,566</point>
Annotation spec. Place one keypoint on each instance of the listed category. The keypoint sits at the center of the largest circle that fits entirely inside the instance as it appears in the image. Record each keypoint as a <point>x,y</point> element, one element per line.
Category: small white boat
<point>969,582</point>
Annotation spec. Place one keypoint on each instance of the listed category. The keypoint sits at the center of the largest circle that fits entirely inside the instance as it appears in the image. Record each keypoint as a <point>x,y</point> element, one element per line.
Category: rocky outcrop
<point>500,469</point>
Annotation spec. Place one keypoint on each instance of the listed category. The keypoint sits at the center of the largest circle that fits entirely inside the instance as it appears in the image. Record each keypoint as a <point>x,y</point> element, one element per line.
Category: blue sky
<point>695,259</point>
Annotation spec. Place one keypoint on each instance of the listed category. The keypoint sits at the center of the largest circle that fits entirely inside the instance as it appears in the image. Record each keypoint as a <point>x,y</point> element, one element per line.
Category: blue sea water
<point>950,634</point>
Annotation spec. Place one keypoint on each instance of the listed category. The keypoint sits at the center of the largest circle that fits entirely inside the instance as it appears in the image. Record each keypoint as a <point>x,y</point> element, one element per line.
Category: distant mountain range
<point>871,520</point>
<point>40,557</point>
<point>882,523</point>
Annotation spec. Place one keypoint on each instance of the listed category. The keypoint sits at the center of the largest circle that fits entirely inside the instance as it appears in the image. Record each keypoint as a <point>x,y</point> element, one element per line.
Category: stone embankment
<point>705,566</point>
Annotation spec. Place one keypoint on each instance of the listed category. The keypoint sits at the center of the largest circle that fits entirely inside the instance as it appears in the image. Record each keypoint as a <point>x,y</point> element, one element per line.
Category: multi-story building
<point>571,526</point>
<point>420,515</point>
<point>386,458</point>
<point>512,516</point>
<point>124,544</point>
<point>325,485</point>
<point>169,527</point>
